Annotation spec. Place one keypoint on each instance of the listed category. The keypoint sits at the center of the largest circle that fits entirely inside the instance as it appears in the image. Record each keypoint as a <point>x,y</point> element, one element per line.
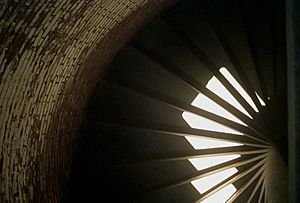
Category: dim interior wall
<point>52,55</point>
<point>293,73</point>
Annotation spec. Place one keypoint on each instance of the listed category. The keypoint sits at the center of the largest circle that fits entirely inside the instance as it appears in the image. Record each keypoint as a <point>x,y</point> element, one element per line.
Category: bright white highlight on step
<point>206,162</point>
<point>216,86</point>
<point>260,100</point>
<point>209,143</point>
<point>199,122</point>
<point>238,87</point>
<point>203,102</point>
<point>222,195</point>
<point>204,184</point>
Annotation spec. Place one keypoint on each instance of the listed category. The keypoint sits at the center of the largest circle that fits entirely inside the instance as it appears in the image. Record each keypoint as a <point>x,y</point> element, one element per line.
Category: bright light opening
<point>260,100</point>
<point>203,102</point>
<point>209,143</point>
<point>222,195</point>
<point>238,87</point>
<point>206,162</point>
<point>205,183</point>
<point>199,122</point>
<point>217,87</point>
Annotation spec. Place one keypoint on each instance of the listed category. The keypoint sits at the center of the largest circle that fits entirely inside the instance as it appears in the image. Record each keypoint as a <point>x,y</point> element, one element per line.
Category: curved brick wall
<point>52,53</point>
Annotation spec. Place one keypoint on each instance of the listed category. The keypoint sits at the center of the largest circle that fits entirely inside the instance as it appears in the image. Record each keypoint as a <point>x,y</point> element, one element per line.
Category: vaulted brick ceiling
<point>52,53</point>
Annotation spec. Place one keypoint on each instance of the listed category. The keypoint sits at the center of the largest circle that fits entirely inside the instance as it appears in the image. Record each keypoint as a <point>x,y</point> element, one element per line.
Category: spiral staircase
<point>138,144</point>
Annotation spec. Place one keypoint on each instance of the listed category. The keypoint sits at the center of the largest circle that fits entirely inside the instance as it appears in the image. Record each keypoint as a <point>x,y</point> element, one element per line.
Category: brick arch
<point>52,55</point>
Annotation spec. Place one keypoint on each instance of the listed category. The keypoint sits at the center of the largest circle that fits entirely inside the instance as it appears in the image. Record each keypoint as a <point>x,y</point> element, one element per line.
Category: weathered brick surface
<point>52,53</point>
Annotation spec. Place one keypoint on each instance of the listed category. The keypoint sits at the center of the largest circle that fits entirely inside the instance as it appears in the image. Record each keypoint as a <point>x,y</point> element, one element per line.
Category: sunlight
<point>199,122</point>
<point>260,100</point>
<point>205,183</point>
<point>209,143</point>
<point>206,162</point>
<point>203,102</point>
<point>216,86</point>
<point>238,87</point>
<point>222,195</point>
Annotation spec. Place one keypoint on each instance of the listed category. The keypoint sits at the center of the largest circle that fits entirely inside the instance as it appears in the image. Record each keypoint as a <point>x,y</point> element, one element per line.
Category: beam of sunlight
<point>216,86</point>
<point>199,122</point>
<point>222,195</point>
<point>205,183</point>
<point>260,100</point>
<point>238,87</point>
<point>209,143</point>
<point>203,102</point>
<point>206,162</point>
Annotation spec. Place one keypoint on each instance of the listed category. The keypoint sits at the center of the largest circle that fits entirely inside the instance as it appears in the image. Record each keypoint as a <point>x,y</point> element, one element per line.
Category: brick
<point>52,55</point>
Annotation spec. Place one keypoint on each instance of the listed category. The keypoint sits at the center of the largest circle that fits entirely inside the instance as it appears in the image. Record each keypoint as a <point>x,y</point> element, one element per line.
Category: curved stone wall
<point>52,53</point>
